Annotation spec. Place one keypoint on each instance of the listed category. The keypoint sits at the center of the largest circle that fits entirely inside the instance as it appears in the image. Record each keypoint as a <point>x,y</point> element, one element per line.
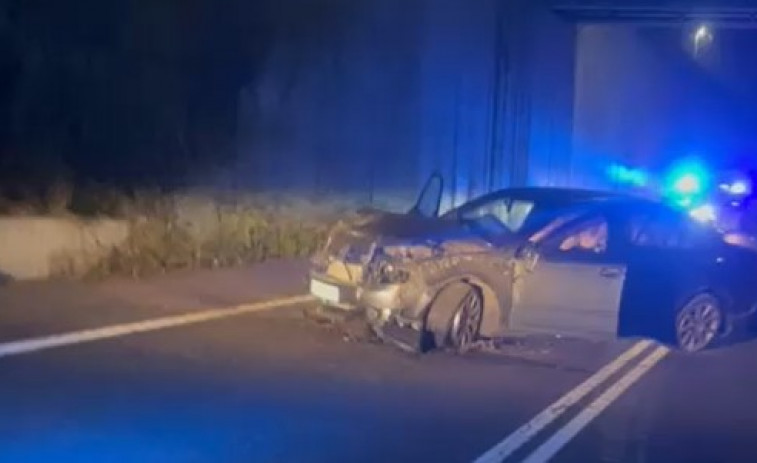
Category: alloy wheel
<point>467,321</point>
<point>698,323</point>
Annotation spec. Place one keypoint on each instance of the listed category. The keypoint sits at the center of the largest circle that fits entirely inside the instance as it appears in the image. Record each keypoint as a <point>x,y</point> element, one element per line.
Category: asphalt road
<point>274,386</point>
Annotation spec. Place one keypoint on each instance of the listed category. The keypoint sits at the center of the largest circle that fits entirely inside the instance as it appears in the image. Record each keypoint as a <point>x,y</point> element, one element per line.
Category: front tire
<point>454,319</point>
<point>698,323</point>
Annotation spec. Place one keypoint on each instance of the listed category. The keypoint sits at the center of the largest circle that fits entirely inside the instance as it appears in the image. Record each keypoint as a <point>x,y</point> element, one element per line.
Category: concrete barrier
<point>37,247</point>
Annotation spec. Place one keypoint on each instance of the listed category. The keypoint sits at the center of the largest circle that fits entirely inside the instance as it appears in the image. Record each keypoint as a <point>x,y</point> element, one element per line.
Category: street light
<point>702,37</point>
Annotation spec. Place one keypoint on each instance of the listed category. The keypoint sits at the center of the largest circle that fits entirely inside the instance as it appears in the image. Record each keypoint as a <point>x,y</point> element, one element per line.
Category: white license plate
<point>324,291</point>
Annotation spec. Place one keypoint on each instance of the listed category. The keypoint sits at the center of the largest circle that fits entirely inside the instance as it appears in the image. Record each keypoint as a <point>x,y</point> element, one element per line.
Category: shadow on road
<point>5,278</point>
<point>648,325</point>
<point>743,333</point>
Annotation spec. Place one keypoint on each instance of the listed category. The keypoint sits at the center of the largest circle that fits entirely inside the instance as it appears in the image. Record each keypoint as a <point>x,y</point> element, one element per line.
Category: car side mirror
<point>528,254</point>
<point>430,199</point>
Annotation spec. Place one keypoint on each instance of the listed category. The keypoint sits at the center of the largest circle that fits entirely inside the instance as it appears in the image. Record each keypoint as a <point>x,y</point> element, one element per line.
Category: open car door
<point>430,199</point>
<point>570,282</point>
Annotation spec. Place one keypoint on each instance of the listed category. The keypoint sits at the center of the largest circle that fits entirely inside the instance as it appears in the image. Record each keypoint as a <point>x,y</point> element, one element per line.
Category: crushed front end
<point>361,270</point>
<point>389,266</point>
<point>337,270</point>
<point>395,296</point>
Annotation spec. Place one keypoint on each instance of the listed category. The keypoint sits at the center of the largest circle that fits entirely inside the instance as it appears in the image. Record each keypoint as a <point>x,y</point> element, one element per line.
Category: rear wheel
<point>698,323</point>
<point>455,316</point>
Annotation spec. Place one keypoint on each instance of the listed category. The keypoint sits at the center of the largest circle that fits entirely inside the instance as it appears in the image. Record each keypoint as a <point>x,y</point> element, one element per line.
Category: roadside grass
<point>167,240</point>
<point>184,230</point>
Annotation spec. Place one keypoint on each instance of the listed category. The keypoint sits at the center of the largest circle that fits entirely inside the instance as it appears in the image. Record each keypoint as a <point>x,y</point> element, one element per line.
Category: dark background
<point>361,98</point>
<point>130,92</point>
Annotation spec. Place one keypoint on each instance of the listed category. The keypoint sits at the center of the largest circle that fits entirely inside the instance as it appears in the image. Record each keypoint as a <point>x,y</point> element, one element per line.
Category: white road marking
<point>77,337</point>
<point>558,440</point>
<point>522,435</point>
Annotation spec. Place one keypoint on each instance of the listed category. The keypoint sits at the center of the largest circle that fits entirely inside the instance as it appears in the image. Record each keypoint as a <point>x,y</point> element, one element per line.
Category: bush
<point>175,231</point>
<point>165,236</point>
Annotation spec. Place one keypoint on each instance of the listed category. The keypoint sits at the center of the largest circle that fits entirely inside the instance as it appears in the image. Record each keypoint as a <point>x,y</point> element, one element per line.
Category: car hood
<point>411,227</point>
<point>408,235</point>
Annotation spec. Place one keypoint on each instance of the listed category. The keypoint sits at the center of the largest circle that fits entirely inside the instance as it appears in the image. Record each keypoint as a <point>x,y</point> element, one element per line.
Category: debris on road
<point>549,351</point>
<point>352,326</point>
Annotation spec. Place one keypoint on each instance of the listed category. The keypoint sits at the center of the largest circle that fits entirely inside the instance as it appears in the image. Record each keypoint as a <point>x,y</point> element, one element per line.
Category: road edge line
<point>24,346</point>
<point>520,436</point>
<point>562,436</point>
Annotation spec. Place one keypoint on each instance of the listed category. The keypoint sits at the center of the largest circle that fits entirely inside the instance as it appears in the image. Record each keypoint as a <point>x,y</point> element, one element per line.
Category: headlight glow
<point>704,213</point>
<point>738,188</point>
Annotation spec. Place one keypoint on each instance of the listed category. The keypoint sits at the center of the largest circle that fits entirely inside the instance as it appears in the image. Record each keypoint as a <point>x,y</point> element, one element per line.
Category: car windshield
<point>508,215</point>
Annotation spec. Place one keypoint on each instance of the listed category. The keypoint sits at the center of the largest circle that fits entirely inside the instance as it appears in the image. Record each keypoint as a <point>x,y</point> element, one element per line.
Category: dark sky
<point>139,92</point>
<point>124,91</point>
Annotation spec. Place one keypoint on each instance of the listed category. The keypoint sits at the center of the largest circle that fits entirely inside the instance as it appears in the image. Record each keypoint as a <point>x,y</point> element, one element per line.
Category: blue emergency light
<point>687,182</point>
<point>627,175</point>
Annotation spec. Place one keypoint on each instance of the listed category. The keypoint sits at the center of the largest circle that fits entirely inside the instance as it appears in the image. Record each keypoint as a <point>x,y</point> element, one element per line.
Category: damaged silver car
<point>574,262</point>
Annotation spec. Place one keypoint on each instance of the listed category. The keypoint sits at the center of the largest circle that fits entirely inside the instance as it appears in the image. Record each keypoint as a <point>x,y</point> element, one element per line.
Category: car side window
<point>654,231</point>
<point>592,237</point>
<point>585,239</point>
<point>663,231</point>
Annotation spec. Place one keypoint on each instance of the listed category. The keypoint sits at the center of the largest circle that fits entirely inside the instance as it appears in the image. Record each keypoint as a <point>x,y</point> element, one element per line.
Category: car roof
<point>553,192</point>
<point>557,196</point>
<point>633,202</point>
<point>560,195</point>
<point>626,203</point>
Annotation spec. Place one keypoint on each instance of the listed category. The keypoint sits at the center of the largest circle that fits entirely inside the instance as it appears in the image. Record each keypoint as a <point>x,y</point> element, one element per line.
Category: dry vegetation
<point>168,232</point>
